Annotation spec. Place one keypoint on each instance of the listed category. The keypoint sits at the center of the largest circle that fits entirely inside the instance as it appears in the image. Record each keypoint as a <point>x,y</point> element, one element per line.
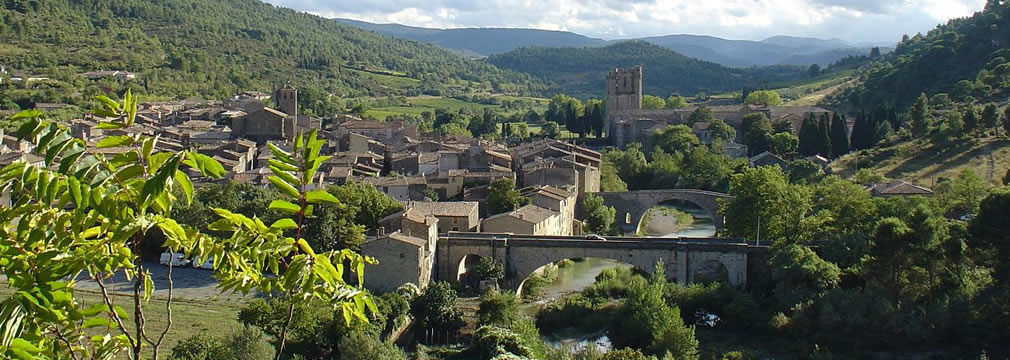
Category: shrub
<point>360,345</point>
<point>200,347</point>
<point>491,341</point>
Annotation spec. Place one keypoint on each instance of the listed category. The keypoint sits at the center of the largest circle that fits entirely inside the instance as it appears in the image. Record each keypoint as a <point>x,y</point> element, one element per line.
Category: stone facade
<point>624,89</point>
<point>557,163</point>
<point>529,219</point>
<point>686,260</point>
<point>558,200</point>
<point>405,256</point>
<point>632,205</point>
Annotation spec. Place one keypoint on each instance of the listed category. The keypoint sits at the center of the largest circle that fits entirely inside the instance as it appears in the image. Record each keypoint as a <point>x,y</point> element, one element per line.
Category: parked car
<point>595,237</point>
<point>178,260</point>
<point>208,265</point>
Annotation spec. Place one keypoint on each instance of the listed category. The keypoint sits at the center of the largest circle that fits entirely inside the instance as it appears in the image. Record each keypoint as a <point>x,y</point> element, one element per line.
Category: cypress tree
<point>808,136</point>
<point>839,136</point>
<point>919,115</point>
<point>824,136</point>
<point>990,117</point>
<point>854,140</point>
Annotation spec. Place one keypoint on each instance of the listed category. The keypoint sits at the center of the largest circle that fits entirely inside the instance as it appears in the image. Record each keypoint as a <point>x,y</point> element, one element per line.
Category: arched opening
<point>469,262</point>
<point>554,280</point>
<point>711,271</point>
<point>676,218</point>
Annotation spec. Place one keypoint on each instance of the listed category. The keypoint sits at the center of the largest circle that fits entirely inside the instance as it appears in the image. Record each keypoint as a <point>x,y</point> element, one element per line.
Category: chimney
<point>381,231</point>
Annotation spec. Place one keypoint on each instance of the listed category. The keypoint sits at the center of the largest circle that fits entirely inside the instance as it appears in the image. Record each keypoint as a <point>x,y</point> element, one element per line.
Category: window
<point>401,255</point>
<point>455,228</point>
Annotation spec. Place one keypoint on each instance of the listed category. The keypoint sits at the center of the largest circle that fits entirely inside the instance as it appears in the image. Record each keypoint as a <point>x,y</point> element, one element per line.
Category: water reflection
<point>576,277</point>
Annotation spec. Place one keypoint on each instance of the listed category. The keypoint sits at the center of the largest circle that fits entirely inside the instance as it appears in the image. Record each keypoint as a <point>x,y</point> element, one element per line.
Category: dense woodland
<point>215,49</point>
<point>965,58</point>
<point>581,72</point>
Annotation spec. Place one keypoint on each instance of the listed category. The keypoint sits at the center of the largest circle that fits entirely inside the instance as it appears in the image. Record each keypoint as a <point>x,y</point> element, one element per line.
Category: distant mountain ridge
<point>776,50</point>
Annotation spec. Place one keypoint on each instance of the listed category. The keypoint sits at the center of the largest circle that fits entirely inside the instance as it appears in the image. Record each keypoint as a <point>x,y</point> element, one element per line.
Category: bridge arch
<point>631,206</point>
<point>582,269</point>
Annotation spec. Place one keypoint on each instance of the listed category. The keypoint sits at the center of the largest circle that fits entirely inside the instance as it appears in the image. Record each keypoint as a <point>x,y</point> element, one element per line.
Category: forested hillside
<point>214,48</point>
<point>581,72</point>
<point>965,58</point>
<point>480,41</point>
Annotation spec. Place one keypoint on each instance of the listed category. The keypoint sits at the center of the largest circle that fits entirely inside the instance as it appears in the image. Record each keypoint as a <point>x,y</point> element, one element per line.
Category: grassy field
<point>417,105</point>
<point>922,163</point>
<point>216,317</point>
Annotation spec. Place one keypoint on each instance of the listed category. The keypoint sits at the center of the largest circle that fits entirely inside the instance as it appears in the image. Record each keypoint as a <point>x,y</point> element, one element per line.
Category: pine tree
<point>839,136</point>
<point>809,136</point>
<point>882,131</point>
<point>971,120</point>
<point>919,115</point>
<point>824,136</point>
<point>1006,121</point>
<point>990,117</point>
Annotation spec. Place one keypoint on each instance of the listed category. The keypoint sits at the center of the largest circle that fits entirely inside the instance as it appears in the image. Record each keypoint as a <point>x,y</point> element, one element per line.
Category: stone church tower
<point>624,89</point>
<point>286,100</point>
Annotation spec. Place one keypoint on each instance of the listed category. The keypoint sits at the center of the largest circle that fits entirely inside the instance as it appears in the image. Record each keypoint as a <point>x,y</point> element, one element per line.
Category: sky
<point>857,21</point>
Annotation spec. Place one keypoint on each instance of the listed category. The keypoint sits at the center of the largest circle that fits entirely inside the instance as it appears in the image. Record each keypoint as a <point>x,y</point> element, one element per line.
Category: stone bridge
<point>632,205</point>
<point>686,259</point>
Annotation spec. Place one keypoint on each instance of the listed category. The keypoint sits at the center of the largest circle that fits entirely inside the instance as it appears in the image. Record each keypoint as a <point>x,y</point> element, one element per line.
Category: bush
<point>200,347</point>
<point>500,309</point>
<point>573,311</point>
<point>246,344</point>
<point>491,341</point>
<point>362,346</point>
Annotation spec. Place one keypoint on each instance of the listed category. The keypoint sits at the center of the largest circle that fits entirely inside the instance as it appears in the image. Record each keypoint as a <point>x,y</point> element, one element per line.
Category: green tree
<point>784,143</point>
<point>972,124</point>
<point>435,309</point>
<point>675,138</point>
<point>646,322</point>
<point>990,227</point>
<point>763,97</point>
<point>610,181</point>
<point>1005,119</point>
<point>809,137</point>
<point>503,197</point>
<point>594,112</point>
<point>676,102</point>
<point>107,206</point>
<point>962,194</point>
<point>800,275</point>
<point>487,269</point>
<point>598,216</point>
<point>763,195</point>
<point>498,309</point>
<point>550,130</point>
<point>824,136</point>
<point>653,102</point>
<point>839,136</point>
<point>814,70</point>
<point>721,131</point>
<point>920,116</point>
<point>701,114</point>
<point>990,117</point>
<point>757,132</point>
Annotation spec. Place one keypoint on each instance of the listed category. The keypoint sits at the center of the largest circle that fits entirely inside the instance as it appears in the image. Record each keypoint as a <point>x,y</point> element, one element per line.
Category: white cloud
<point>853,20</point>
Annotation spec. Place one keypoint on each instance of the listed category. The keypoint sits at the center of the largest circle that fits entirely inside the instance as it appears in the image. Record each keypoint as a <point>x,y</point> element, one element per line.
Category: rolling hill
<point>483,41</point>
<point>580,72</point>
<point>776,50</point>
<point>213,48</point>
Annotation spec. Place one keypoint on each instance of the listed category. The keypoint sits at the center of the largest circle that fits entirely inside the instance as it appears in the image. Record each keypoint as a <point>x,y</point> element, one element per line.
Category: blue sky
<point>859,21</point>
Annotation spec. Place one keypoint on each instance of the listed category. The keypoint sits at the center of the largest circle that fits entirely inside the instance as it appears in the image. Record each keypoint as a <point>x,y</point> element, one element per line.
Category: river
<point>578,276</point>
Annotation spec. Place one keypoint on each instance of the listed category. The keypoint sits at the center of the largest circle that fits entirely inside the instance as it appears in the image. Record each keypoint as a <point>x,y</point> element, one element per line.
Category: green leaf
<point>96,322</point>
<point>108,125</point>
<point>95,310</point>
<point>148,286</point>
<point>114,141</point>
<point>284,206</point>
<point>187,186</point>
<point>110,104</point>
<point>320,195</point>
<point>284,224</point>
<point>206,164</point>
<point>26,114</point>
<point>120,312</point>
<point>284,187</point>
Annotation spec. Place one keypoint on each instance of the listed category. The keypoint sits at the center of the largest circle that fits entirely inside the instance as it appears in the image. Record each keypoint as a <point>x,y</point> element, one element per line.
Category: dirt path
<point>818,96</point>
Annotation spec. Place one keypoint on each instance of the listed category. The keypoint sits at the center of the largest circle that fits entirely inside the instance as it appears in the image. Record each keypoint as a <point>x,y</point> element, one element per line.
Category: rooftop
<point>529,213</point>
<point>443,208</point>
